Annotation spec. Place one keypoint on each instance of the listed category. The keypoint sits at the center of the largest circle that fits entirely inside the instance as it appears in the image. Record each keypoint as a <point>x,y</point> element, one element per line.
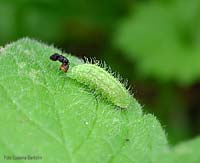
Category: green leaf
<point>163,40</point>
<point>185,153</point>
<point>45,113</point>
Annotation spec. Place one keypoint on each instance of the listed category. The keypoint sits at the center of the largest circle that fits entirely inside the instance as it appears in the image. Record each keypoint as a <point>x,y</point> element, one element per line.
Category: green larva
<point>101,81</point>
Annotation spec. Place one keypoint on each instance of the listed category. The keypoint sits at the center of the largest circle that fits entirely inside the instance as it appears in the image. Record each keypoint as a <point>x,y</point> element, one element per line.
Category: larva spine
<point>101,81</point>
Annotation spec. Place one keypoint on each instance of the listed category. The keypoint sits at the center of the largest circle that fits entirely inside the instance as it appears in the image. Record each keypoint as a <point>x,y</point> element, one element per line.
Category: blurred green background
<point>155,44</point>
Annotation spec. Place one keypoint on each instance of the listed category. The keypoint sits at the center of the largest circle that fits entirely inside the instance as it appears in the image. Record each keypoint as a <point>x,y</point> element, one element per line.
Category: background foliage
<point>153,43</point>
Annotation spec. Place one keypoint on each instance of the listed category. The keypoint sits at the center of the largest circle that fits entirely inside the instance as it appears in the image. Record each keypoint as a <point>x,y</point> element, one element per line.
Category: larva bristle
<point>102,82</point>
<point>106,67</point>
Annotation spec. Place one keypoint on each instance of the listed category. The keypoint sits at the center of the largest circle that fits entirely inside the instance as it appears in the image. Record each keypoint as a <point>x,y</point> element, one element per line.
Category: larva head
<point>64,67</point>
<point>102,82</point>
<point>65,62</point>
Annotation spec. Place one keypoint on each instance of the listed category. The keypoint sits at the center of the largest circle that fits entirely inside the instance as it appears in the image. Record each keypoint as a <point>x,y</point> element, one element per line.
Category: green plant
<point>187,152</point>
<point>163,40</point>
<point>44,112</point>
<point>160,39</point>
<point>68,20</point>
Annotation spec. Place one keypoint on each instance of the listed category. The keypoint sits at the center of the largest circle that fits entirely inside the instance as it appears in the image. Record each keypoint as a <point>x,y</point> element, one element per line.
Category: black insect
<point>65,62</point>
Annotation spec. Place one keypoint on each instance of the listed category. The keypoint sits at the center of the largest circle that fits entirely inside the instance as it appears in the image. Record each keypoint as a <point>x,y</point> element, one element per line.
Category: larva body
<point>101,81</point>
